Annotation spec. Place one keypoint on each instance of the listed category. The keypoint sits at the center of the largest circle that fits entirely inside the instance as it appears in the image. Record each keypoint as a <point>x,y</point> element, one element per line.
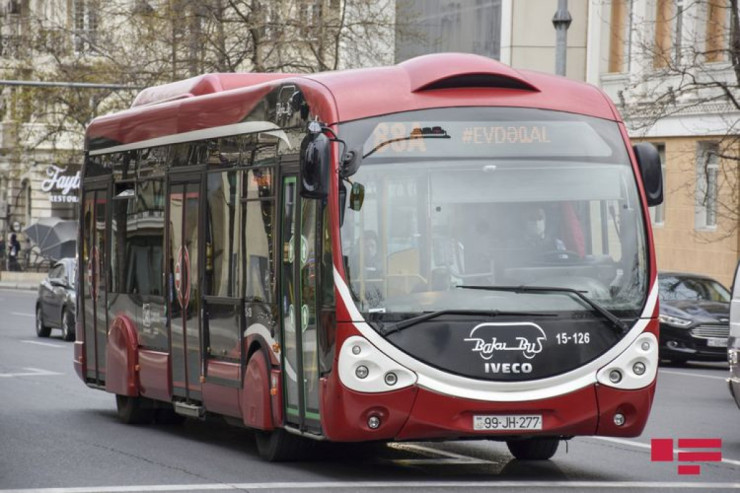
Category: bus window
<point>259,222</point>
<point>222,235</point>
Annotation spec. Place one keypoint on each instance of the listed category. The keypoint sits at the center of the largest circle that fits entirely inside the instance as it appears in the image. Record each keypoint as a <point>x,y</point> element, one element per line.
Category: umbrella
<point>55,237</point>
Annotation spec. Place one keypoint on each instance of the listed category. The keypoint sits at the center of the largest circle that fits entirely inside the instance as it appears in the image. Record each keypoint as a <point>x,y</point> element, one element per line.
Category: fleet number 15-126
<point>574,338</point>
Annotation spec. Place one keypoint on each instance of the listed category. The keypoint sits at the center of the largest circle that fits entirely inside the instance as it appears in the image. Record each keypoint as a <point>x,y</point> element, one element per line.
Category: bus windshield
<point>492,197</point>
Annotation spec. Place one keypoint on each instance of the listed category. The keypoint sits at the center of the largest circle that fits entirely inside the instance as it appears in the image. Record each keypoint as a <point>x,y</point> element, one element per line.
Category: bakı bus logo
<point>524,337</point>
<point>661,450</point>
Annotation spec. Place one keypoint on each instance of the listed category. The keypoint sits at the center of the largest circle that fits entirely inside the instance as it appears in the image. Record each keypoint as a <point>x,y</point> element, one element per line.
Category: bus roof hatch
<point>456,70</point>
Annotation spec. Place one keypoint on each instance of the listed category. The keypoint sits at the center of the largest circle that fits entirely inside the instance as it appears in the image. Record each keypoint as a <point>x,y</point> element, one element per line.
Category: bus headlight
<point>635,368</point>
<point>362,372</point>
<point>363,368</point>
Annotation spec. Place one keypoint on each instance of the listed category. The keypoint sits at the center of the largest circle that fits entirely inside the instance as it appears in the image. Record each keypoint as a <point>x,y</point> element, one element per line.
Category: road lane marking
<point>23,314</point>
<point>687,374</point>
<point>646,446</point>
<point>425,485</point>
<point>30,372</point>
<point>47,344</point>
<point>447,457</point>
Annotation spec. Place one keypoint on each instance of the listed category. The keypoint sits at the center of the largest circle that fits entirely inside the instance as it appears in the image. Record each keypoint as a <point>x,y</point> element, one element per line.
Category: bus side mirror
<point>648,161</point>
<point>314,164</point>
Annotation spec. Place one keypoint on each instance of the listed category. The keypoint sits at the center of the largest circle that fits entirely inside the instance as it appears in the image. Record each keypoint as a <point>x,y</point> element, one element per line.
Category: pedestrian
<point>14,251</point>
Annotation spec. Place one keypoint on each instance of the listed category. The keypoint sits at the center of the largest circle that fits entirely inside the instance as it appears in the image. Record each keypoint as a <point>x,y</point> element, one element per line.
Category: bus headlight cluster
<point>364,368</point>
<point>635,368</point>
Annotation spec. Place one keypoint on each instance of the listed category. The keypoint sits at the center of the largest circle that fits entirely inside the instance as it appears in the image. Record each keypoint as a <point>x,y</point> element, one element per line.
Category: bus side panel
<point>121,355</point>
<point>220,398</point>
<point>154,375</point>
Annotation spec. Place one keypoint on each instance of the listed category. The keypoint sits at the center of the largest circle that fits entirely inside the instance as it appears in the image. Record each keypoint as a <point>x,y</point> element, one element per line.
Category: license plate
<point>717,342</point>
<point>508,422</point>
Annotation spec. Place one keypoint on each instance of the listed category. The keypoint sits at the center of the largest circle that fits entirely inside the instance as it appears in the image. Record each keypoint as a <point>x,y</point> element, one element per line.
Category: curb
<point>17,286</point>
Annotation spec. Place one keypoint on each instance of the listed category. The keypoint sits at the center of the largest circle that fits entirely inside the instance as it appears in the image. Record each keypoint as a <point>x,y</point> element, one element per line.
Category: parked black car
<point>55,306</point>
<point>694,318</point>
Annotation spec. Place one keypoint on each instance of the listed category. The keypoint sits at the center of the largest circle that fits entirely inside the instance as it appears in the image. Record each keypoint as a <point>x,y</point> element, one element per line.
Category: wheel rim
<point>39,322</point>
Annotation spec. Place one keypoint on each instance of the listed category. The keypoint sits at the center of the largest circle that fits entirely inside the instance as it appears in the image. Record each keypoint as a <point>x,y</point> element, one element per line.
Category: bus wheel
<point>41,329</point>
<point>134,410</point>
<point>280,446</point>
<point>68,326</point>
<point>533,448</point>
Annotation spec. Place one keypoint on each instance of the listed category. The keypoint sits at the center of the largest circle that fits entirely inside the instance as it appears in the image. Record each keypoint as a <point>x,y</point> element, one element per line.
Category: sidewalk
<point>21,280</point>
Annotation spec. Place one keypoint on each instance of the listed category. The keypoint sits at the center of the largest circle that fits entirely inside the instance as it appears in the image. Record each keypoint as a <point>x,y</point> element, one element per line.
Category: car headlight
<point>674,321</point>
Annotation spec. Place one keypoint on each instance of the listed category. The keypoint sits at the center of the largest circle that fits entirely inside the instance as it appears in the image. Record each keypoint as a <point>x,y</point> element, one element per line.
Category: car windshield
<point>496,197</point>
<point>673,287</point>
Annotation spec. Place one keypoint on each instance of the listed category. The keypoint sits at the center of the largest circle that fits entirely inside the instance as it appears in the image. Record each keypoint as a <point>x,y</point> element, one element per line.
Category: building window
<point>85,25</point>
<point>668,32</point>
<point>657,213</point>
<point>309,18</point>
<point>620,36</point>
<point>707,187</point>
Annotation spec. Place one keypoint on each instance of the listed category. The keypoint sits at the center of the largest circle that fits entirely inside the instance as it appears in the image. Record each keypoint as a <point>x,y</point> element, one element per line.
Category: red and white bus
<point>443,249</point>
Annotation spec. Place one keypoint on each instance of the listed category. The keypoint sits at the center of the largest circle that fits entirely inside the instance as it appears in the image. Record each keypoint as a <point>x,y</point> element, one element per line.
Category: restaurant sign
<point>61,185</point>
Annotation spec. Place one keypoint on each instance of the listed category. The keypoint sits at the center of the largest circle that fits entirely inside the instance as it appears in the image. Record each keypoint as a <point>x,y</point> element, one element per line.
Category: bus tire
<point>41,329</point>
<point>280,446</point>
<point>134,410</point>
<point>533,448</point>
<point>68,325</point>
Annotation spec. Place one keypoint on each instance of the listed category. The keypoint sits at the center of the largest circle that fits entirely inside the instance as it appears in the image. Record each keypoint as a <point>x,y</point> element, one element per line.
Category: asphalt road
<point>58,436</point>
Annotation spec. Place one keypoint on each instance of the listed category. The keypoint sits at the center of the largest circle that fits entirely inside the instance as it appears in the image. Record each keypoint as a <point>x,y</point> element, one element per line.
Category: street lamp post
<point>561,21</point>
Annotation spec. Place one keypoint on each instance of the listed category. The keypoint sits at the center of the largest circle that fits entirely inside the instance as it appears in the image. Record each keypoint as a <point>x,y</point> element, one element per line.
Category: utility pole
<point>561,21</point>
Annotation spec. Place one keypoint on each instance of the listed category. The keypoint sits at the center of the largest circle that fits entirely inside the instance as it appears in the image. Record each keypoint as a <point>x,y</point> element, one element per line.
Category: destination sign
<point>486,139</point>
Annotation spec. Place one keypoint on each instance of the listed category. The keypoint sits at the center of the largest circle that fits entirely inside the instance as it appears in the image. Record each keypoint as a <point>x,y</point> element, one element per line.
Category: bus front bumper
<point>418,414</point>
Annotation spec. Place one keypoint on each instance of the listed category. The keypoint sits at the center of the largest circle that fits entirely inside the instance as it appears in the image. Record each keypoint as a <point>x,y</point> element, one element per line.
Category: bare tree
<point>686,64</point>
<point>141,43</point>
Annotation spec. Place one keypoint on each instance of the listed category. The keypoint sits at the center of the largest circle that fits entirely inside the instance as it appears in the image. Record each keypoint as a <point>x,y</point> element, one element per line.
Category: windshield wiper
<point>403,324</point>
<point>618,324</point>
<point>417,133</point>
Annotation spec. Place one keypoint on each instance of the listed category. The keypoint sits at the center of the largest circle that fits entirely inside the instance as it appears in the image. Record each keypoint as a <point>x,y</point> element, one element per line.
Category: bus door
<point>298,278</point>
<point>183,218</point>
<point>93,278</point>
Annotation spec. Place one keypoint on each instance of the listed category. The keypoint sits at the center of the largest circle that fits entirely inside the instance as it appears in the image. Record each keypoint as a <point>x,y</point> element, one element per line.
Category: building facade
<point>519,33</point>
<point>668,66</point>
<point>111,49</point>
